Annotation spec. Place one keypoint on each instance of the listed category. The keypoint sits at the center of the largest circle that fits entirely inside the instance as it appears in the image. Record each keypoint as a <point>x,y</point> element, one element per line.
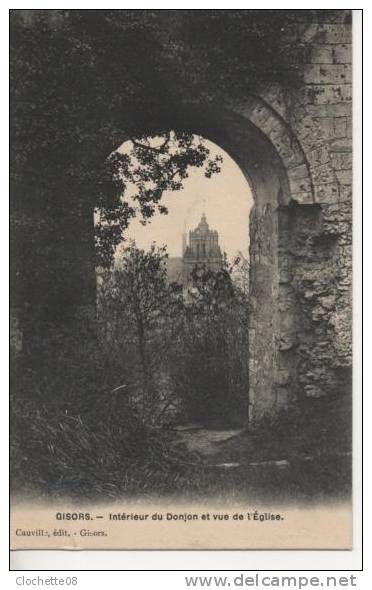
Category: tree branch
<point>158,150</point>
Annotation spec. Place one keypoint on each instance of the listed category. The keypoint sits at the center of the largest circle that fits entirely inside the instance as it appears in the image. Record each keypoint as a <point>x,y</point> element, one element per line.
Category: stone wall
<point>315,248</point>
<point>294,147</point>
<point>264,317</point>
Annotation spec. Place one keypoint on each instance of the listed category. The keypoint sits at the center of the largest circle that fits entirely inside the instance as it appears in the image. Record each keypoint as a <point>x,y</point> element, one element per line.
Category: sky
<point>226,199</point>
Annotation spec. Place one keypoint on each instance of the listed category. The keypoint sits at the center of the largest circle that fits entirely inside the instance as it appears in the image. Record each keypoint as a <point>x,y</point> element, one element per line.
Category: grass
<point>60,455</point>
<point>56,454</point>
<point>87,444</point>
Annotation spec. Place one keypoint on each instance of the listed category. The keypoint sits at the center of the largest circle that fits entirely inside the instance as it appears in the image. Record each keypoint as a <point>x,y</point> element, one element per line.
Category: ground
<point>266,466</point>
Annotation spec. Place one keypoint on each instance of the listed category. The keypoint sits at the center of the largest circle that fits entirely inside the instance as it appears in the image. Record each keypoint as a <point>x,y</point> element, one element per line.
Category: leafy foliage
<point>82,82</point>
<point>137,311</point>
<point>80,78</point>
<point>134,182</point>
<point>210,361</point>
<point>184,351</point>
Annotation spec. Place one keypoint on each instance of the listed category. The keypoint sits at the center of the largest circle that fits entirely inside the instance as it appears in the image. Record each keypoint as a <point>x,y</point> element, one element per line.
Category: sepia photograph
<point>181,278</point>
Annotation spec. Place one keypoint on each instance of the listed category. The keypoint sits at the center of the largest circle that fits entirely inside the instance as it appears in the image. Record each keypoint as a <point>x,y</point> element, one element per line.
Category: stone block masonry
<point>314,354</point>
<point>294,144</point>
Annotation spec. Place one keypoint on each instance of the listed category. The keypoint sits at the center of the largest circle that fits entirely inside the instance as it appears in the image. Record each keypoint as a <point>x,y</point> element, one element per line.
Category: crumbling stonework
<point>315,250</point>
<point>294,146</point>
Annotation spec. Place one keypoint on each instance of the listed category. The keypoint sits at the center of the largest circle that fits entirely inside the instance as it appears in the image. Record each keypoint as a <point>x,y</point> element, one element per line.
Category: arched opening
<point>258,142</point>
<point>293,149</point>
<point>203,241</point>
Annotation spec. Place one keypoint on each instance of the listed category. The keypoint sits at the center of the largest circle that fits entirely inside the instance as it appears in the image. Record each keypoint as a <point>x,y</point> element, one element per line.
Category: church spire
<point>203,224</point>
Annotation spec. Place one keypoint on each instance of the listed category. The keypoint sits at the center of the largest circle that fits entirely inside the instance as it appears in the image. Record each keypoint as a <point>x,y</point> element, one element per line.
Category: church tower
<point>202,251</point>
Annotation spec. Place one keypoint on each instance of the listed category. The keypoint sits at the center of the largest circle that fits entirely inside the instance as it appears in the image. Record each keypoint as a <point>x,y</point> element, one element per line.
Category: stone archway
<point>275,166</point>
<point>294,145</point>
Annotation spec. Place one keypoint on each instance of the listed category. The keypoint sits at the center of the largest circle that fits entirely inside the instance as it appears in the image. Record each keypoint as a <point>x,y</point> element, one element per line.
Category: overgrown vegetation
<point>97,421</point>
<point>163,357</point>
<point>92,418</point>
<point>184,349</point>
<point>133,183</point>
<point>107,453</point>
<point>74,432</point>
<point>81,78</point>
<point>210,356</point>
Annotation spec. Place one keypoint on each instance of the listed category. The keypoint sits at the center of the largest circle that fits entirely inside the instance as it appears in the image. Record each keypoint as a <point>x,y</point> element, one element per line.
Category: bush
<point>74,432</point>
<point>57,454</point>
<point>209,360</point>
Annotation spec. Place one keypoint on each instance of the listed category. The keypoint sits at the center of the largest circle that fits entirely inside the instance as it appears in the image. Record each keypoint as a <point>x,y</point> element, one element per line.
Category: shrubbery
<point>106,451</point>
<point>92,417</point>
<point>185,350</point>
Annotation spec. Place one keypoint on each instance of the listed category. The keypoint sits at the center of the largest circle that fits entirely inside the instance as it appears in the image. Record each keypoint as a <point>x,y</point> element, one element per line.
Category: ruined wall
<point>322,272</point>
<point>314,262</point>
<point>264,317</point>
<point>295,148</point>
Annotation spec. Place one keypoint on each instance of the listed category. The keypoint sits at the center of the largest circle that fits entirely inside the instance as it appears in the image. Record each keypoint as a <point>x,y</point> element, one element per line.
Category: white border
<point>237,560</point>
